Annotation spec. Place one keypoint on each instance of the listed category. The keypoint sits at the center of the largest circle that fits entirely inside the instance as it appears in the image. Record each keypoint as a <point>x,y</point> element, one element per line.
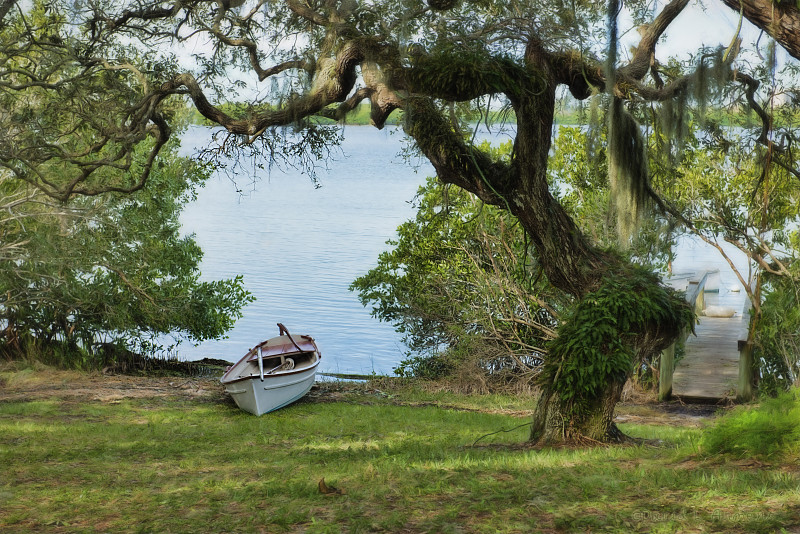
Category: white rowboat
<point>274,373</point>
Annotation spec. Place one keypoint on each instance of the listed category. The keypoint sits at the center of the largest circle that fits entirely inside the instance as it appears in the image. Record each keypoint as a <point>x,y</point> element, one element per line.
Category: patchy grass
<point>177,461</point>
<point>766,431</point>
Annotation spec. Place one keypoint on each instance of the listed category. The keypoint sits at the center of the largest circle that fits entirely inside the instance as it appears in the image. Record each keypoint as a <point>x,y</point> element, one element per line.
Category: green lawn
<point>179,464</point>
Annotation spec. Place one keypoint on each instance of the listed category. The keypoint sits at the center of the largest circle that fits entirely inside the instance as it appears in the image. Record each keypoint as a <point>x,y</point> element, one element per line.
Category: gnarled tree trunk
<point>554,423</point>
<point>568,259</point>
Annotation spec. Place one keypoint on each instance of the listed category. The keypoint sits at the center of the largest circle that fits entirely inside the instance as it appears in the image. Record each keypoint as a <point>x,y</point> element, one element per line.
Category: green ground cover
<point>198,464</point>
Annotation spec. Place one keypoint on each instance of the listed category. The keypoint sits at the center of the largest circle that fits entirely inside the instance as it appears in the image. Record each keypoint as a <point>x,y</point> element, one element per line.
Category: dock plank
<point>709,368</point>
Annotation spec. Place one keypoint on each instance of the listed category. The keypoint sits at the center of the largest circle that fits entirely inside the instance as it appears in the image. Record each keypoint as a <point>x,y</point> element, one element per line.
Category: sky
<point>713,26</point>
<point>707,23</point>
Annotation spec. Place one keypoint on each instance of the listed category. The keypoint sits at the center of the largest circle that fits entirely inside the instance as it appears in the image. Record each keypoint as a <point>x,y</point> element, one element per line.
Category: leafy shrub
<point>109,269</point>
<point>777,342</point>
<point>462,286</point>
<point>430,366</point>
<point>767,430</point>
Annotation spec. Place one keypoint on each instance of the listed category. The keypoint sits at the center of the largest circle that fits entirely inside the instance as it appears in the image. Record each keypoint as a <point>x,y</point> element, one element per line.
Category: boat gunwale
<point>273,375</point>
<point>252,352</point>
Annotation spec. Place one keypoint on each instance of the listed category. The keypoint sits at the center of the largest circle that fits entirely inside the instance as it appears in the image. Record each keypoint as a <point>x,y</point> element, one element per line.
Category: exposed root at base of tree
<point>574,438</point>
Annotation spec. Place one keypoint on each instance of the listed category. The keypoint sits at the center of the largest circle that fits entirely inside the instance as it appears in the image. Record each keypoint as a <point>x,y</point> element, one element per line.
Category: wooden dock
<point>717,361</point>
<point>709,369</point>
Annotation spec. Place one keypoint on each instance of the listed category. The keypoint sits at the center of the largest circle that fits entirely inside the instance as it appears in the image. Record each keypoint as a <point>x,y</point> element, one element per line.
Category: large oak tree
<point>322,58</point>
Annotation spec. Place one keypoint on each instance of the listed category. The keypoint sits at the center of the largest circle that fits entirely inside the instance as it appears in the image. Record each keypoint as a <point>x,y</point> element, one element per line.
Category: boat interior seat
<point>269,363</point>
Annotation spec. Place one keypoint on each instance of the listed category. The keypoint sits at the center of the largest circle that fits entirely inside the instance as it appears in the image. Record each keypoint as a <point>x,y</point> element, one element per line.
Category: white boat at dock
<point>274,373</point>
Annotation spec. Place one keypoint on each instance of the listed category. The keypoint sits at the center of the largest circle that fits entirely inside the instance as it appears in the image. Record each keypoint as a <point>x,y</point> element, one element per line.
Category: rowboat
<point>274,373</point>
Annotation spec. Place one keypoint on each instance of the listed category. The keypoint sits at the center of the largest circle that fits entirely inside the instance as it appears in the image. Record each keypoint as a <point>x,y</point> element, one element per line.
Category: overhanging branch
<point>779,19</point>
<point>455,162</point>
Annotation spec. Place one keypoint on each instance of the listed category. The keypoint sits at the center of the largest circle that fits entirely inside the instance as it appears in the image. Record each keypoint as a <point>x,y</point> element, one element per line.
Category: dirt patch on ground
<point>674,413</point>
<point>47,384</point>
<point>42,383</point>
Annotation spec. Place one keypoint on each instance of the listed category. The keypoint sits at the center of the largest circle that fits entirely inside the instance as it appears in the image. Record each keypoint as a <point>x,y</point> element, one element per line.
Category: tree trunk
<point>554,424</point>
<point>569,260</point>
<point>571,263</point>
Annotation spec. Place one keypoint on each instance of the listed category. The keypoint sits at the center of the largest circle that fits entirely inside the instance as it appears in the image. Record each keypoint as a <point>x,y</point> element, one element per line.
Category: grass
<point>180,464</point>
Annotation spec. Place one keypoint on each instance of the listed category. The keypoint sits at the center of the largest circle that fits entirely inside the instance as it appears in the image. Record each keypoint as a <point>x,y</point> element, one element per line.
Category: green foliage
<point>579,179</point>
<point>450,70</point>
<point>768,430</point>
<point>460,274</point>
<point>593,347</point>
<point>732,189</point>
<point>428,366</point>
<point>70,119</point>
<point>112,268</point>
<point>725,190</point>
<point>777,341</point>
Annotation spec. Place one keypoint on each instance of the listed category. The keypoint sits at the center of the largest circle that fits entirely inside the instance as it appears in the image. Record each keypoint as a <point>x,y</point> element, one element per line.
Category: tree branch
<point>779,19</point>
<point>334,80</point>
<point>642,58</point>
<point>582,74</point>
<point>455,162</point>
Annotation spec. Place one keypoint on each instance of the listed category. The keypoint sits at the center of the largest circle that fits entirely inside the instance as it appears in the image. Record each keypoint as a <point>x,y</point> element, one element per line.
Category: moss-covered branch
<point>456,161</point>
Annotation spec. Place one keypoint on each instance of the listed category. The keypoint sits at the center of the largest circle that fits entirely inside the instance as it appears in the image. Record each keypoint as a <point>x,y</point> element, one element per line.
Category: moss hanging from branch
<point>613,41</point>
<point>713,72</point>
<point>627,161</point>
<point>627,170</point>
<point>674,127</point>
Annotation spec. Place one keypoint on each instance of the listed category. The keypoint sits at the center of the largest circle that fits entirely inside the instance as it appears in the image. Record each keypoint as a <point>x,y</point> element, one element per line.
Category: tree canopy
<point>111,87</point>
<point>109,270</point>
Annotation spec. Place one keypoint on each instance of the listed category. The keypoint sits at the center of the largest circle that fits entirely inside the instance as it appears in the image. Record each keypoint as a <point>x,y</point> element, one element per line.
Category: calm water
<point>299,248</point>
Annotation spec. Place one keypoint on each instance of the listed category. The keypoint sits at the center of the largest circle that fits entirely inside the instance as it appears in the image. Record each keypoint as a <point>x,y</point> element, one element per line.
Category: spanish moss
<point>627,162</point>
<point>627,170</point>
<point>611,61</point>
<point>594,132</point>
<point>675,127</point>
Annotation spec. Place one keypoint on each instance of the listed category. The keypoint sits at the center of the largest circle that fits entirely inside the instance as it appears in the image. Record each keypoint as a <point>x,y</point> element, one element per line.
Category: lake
<point>299,248</point>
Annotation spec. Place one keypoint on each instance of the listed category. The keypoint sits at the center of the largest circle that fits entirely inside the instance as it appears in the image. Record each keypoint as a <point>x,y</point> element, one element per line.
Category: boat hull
<point>274,373</point>
<point>274,392</point>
